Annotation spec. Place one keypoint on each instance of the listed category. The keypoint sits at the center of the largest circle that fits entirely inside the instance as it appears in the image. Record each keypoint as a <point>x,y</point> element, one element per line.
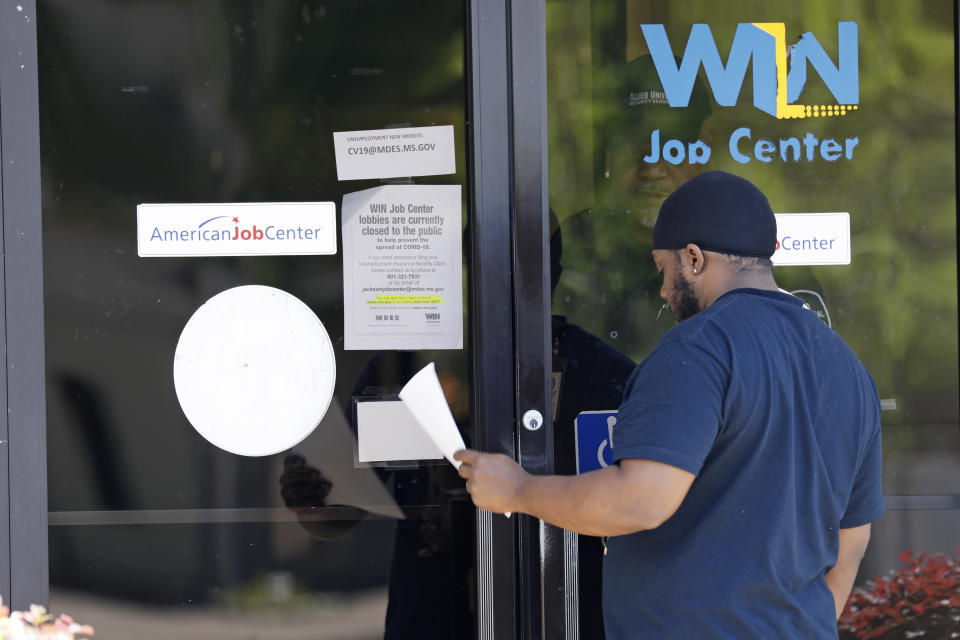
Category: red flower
<point>924,596</point>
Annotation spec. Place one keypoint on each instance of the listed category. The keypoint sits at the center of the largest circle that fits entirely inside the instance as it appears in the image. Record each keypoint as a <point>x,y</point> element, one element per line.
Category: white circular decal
<point>254,370</point>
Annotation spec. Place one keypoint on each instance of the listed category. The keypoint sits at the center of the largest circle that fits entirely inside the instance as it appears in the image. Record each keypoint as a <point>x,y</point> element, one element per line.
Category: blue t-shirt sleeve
<point>866,498</point>
<point>672,408</point>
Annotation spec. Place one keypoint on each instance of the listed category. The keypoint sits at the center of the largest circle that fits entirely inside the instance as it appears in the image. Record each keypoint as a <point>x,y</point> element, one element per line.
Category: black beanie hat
<point>720,212</point>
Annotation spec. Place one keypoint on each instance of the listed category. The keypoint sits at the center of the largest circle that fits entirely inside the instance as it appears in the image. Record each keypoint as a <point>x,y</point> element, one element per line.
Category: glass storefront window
<point>845,109</point>
<point>876,139</point>
<point>153,530</point>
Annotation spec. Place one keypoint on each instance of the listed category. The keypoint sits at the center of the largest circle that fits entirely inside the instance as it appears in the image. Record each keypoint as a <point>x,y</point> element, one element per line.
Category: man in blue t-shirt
<point>747,447</point>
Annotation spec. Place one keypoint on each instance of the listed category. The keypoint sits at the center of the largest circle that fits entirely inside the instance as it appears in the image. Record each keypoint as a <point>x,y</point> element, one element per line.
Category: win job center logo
<point>779,77</point>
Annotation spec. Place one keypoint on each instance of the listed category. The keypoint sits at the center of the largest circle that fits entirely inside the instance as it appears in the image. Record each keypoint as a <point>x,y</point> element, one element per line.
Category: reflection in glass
<point>895,304</point>
<point>152,529</point>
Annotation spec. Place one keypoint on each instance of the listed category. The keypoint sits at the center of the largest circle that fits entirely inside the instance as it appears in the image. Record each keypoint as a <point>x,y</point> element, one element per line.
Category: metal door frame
<point>528,597</point>
<point>492,307</point>
<point>23,459</point>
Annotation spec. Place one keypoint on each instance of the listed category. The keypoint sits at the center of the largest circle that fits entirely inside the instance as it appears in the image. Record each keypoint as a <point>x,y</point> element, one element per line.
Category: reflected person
<point>611,240</point>
<point>431,581</point>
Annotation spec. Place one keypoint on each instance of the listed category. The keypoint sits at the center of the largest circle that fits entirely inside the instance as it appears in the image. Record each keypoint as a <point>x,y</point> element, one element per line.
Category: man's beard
<point>684,302</point>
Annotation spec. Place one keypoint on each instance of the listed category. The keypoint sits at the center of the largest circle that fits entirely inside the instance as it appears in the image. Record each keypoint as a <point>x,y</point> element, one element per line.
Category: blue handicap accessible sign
<point>594,435</point>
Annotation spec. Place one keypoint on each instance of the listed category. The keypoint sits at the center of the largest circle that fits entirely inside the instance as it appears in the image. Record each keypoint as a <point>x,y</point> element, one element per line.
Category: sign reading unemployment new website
<point>776,88</point>
<point>394,153</point>
<point>402,273</point>
<point>236,229</point>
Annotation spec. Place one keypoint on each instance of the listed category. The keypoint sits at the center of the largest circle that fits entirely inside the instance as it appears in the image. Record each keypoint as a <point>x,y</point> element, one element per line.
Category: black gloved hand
<point>302,486</point>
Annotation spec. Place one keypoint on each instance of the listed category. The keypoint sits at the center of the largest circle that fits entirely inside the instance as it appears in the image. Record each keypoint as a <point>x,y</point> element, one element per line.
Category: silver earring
<point>694,270</point>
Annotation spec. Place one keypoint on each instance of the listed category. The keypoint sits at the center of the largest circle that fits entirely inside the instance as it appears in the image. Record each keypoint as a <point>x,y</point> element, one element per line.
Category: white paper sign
<point>386,430</point>
<point>394,153</point>
<point>812,239</point>
<point>237,229</point>
<point>254,370</point>
<point>402,270</point>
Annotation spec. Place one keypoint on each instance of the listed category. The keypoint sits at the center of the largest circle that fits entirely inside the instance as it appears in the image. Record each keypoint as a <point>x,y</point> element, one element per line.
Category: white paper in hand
<point>425,400</point>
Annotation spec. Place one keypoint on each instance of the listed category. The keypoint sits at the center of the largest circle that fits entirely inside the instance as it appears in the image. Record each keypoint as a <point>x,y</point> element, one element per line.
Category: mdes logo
<point>779,71</point>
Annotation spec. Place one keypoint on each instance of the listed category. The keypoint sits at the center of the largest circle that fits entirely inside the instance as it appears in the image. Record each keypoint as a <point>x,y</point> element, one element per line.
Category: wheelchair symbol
<point>612,420</point>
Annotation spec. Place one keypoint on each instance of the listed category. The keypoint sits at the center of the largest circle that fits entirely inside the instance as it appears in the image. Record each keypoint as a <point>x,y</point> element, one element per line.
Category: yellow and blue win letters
<point>776,87</point>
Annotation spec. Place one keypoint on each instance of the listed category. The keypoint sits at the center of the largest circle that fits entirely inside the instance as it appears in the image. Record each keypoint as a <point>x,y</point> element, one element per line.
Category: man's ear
<point>693,256</point>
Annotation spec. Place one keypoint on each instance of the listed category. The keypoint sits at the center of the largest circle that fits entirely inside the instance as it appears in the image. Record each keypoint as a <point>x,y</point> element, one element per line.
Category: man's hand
<point>494,481</point>
<point>305,490</point>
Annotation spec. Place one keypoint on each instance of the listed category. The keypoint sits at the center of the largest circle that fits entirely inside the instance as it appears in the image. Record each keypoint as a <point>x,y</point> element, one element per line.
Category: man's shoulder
<point>749,311</point>
<point>742,320</point>
<point>695,341</point>
<point>699,332</point>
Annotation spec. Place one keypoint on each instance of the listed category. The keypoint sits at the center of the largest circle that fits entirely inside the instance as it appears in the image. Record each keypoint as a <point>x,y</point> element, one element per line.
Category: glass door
<point>158,529</point>
<point>845,110</point>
